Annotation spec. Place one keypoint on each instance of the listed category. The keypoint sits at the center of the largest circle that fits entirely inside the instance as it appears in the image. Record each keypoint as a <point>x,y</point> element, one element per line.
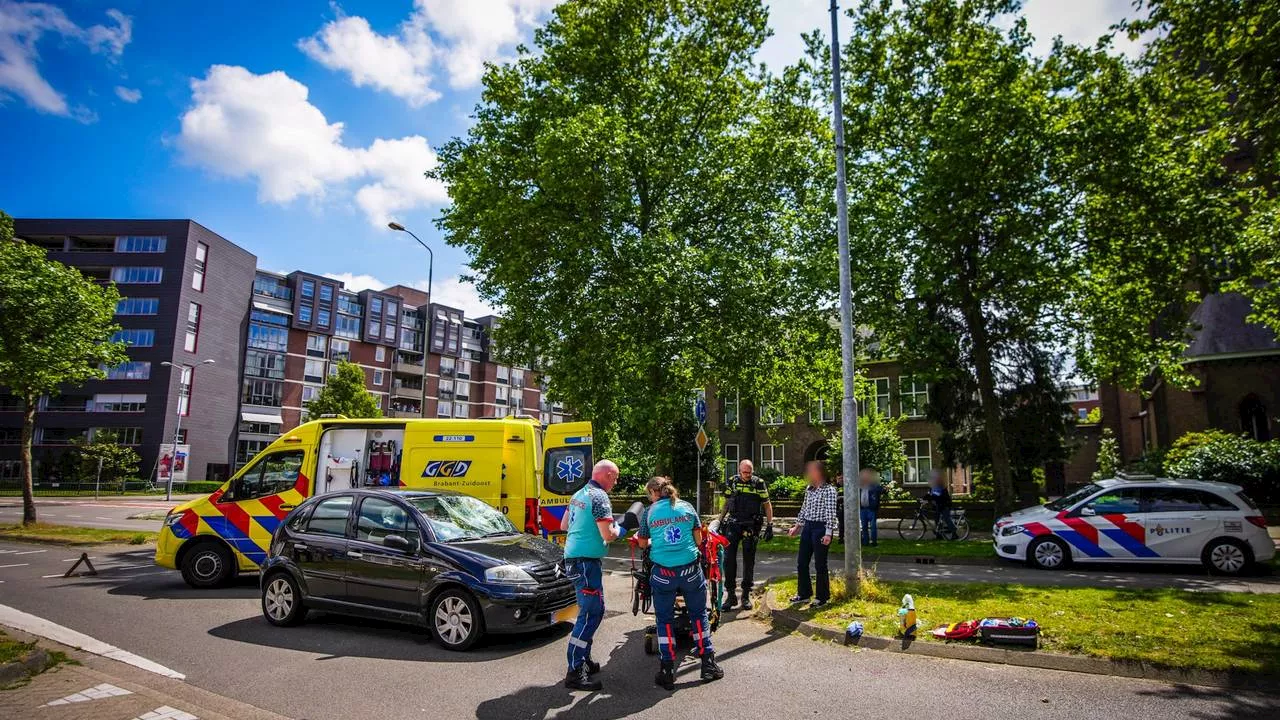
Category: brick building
<point>185,301</point>
<point>1237,367</point>
<point>766,438</point>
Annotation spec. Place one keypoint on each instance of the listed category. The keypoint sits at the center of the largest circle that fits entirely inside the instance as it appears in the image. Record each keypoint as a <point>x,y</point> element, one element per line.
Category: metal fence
<point>54,488</point>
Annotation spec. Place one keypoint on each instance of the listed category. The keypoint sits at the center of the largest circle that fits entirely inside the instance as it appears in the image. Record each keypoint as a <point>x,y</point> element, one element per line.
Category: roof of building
<point>1219,327</point>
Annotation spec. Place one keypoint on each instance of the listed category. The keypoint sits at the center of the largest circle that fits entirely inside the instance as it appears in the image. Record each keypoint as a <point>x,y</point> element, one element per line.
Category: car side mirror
<point>1088,511</point>
<point>399,542</point>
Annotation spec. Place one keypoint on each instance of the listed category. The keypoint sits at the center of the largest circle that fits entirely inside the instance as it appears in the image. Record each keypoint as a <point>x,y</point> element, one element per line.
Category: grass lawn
<point>893,546</point>
<point>71,535</point>
<point>12,651</point>
<point>1172,628</point>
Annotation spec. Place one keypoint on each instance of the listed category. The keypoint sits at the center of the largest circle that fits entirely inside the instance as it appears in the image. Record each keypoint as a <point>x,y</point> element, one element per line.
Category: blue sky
<point>295,129</point>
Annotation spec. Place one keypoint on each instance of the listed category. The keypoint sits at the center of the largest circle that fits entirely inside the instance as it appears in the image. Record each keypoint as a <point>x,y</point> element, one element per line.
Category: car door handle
<point>287,507</point>
<point>300,546</point>
<point>354,554</point>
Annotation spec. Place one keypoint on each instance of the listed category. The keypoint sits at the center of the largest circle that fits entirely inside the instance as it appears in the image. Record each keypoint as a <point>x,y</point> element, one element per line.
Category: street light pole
<point>431,263</point>
<point>177,427</point>
<point>849,409</point>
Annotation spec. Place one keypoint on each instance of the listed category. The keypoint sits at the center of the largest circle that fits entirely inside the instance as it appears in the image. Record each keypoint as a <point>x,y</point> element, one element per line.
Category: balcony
<point>405,368</point>
<point>406,391</point>
<point>404,413</point>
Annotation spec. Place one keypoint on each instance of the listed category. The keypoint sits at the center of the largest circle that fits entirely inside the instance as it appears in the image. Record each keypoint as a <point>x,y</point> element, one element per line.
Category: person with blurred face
<point>590,526</point>
<point>869,504</point>
<point>814,525</point>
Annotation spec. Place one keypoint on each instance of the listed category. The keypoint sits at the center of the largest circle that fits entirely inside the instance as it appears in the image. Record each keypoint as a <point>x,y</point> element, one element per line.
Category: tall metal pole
<point>849,409</point>
<point>426,326</point>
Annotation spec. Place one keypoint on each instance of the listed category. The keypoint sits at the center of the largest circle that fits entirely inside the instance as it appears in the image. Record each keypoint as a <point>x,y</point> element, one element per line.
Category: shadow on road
<point>335,636</point>
<point>170,586</point>
<point>1234,704</point>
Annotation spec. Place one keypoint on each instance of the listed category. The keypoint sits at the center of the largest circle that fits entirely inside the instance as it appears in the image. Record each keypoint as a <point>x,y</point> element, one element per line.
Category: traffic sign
<point>700,410</point>
<point>701,440</point>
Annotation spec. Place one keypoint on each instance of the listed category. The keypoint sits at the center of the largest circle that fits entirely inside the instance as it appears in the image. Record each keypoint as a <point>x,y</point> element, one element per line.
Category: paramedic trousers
<point>744,534</point>
<point>689,582</point>
<point>811,548</point>
<point>589,585</point>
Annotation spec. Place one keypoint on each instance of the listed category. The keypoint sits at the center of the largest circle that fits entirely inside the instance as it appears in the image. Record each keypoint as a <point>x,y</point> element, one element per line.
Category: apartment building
<point>764,436</point>
<point>183,311</point>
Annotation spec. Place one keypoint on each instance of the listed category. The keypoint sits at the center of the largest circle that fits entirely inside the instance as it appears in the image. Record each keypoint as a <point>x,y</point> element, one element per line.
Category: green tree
<point>119,462</point>
<point>1108,456</point>
<point>344,394</point>
<point>645,203</point>
<point>954,131</point>
<point>879,442</point>
<point>55,330</point>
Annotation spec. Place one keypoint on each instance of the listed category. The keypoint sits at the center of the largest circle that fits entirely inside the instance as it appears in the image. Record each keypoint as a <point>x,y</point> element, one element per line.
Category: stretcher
<point>712,556</point>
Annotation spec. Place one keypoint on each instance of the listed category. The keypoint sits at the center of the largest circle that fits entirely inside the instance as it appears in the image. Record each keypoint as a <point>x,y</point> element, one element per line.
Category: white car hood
<point>1034,513</point>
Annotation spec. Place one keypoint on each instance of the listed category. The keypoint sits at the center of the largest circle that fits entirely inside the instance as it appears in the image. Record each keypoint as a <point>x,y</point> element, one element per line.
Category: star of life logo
<point>673,534</point>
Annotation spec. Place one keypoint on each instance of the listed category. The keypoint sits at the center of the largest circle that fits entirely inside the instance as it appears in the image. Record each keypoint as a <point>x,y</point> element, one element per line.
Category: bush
<point>893,492</point>
<point>196,486</point>
<point>984,487</point>
<point>1108,456</point>
<point>787,486</point>
<point>1222,457</point>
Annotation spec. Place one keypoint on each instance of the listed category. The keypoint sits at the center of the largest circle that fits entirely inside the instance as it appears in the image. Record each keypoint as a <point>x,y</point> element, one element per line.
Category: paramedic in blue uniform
<point>590,525</point>
<point>672,531</point>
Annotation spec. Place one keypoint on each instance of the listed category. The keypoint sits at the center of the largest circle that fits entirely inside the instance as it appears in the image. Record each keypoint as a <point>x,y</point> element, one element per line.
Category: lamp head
<point>396,226</point>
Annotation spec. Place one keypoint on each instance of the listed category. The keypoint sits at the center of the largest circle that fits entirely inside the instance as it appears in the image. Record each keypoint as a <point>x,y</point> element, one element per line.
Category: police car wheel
<point>1048,553</point>
<point>455,620</point>
<point>207,565</point>
<point>1227,557</point>
<point>282,601</point>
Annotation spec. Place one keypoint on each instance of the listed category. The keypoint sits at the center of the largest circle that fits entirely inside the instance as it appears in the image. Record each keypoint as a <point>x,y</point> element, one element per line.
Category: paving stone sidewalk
<point>102,689</point>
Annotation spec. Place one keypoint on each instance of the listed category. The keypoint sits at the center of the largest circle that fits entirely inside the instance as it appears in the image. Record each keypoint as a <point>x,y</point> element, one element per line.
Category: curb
<point>786,619</point>
<point>33,664</point>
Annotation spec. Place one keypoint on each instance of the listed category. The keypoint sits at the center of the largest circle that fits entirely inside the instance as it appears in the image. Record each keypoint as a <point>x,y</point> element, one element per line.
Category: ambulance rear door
<point>566,467</point>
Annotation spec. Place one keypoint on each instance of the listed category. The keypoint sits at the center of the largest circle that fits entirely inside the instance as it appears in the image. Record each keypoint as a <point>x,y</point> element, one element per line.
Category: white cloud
<point>456,36</point>
<point>263,127</point>
<point>455,292</point>
<point>129,95</point>
<point>21,27</point>
<point>356,283</point>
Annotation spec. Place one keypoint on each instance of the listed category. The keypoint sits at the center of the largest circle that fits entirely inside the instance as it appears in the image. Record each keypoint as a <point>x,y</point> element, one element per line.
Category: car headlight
<point>172,519</point>
<point>1010,530</point>
<point>508,575</point>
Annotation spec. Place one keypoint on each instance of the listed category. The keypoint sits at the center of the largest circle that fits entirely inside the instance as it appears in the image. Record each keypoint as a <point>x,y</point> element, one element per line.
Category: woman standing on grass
<point>814,524</point>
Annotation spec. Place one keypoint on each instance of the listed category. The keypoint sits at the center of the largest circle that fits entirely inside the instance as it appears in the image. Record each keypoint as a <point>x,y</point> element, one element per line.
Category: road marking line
<point>91,557</point>
<point>6,552</point>
<point>35,625</point>
<point>53,575</point>
<point>31,552</point>
<point>15,565</point>
<point>105,690</point>
<point>164,712</point>
<point>73,516</point>
<point>99,517</point>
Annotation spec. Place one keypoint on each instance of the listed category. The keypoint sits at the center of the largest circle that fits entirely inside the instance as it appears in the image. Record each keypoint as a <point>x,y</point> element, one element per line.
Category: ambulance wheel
<point>650,644</point>
<point>208,564</point>
<point>282,601</point>
<point>1225,556</point>
<point>1048,553</point>
<point>456,622</point>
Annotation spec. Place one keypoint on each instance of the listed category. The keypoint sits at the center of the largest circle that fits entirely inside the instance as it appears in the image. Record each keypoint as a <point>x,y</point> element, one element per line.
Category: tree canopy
<point>344,394</point>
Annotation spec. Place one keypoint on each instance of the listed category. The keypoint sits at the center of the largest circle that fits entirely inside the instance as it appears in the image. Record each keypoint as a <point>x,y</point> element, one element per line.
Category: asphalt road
<point>336,668</point>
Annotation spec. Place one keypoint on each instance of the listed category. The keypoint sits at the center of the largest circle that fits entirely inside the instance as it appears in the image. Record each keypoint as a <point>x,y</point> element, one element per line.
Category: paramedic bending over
<point>672,531</point>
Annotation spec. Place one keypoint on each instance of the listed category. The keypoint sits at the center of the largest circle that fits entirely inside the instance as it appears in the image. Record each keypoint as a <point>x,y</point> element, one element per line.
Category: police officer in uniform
<point>746,510</point>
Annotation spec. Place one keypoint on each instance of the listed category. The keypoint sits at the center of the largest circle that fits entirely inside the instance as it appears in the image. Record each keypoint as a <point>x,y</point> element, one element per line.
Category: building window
<point>137,275</point>
<point>308,288</point>
<point>135,338</point>
<point>824,411</point>
<point>1082,414</point>
<point>264,364</point>
<point>184,390</point>
<point>374,330</point>
<point>500,395</point>
<point>444,409</point>
<point>380,354</point>
<point>919,461</point>
<point>326,293</point>
<point>914,396</point>
<point>304,314</point>
<point>132,370</point>
<point>883,406</point>
<point>448,366</point>
<point>314,371</point>
<point>69,403</point>
<point>271,287</point>
<point>731,460</point>
<point>462,368</point>
<point>137,306</point>
<point>771,456</point>
<point>247,450</point>
<point>339,349</point>
<point>193,327</point>
<point>378,378</point>
<point>202,260</point>
<point>316,345</point>
<point>322,318</point>
<point>140,243</point>
<point>309,393</point>
<point>771,416</point>
<point>517,378</point>
<point>389,331</point>
<point>504,374</point>
<point>119,436</point>
<point>730,418</point>
<point>1253,419</point>
<point>347,327</point>
<point>264,337</point>
<point>261,392</point>
<point>375,305</point>
<point>260,428</point>
<point>9,469</point>
<point>116,403</point>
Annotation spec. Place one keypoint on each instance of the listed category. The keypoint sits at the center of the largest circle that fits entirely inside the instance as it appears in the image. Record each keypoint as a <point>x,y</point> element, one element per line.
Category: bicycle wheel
<point>912,528</point>
<point>962,527</point>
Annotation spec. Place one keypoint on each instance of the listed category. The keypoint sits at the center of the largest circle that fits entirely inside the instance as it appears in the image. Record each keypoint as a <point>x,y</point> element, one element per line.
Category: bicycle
<point>917,526</point>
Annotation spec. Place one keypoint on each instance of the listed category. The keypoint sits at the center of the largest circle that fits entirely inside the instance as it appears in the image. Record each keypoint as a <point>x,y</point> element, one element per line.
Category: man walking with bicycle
<point>945,529</point>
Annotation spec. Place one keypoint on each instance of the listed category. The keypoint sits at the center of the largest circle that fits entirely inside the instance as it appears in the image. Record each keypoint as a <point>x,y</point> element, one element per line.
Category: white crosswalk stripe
<point>165,712</point>
<point>98,692</point>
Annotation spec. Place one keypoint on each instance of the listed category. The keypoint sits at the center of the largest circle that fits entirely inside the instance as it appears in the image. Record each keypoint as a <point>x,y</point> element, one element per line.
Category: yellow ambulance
<point>524,469</point>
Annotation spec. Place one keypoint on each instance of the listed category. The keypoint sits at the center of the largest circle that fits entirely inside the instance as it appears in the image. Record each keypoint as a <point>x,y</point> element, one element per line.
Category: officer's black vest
<point>746,499</point>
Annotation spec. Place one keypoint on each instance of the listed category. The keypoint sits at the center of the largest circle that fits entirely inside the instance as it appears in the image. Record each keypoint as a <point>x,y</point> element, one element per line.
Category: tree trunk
<point>1000,468</point>
<point>28,430</point>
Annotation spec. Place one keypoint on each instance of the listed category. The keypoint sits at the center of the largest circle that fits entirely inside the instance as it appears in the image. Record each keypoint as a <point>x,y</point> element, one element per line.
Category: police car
<point>1129,520</point>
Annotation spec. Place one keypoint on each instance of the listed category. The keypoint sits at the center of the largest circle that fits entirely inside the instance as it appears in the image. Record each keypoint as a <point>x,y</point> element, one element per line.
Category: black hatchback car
<point>427,557</point>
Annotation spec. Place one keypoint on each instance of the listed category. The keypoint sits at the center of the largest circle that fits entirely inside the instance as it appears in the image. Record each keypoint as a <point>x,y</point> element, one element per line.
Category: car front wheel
<point>455,619</point>
<point>207,565</point>
<point>1227,557</point>
<point>282,601</point>
<point>1048,553</point>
